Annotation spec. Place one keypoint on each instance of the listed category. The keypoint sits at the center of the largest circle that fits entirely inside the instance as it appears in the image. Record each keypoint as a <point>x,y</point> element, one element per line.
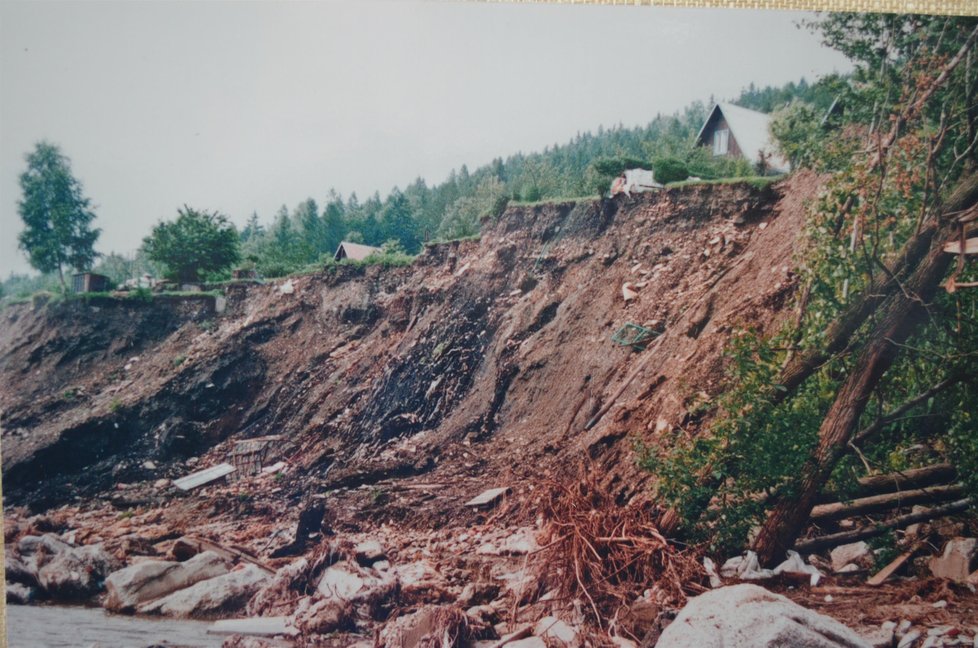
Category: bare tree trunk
<point>900,315</point>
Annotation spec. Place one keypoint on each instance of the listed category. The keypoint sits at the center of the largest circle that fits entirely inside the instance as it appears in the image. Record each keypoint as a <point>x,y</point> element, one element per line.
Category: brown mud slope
<point>479,365</point>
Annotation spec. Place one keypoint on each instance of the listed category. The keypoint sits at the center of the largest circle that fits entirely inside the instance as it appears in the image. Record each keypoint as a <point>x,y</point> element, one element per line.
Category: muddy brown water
<point>35,626</point>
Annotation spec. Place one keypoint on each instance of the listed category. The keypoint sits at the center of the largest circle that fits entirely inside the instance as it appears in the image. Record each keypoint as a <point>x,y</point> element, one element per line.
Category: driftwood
<point>879,528</point>
<point>885,502</point>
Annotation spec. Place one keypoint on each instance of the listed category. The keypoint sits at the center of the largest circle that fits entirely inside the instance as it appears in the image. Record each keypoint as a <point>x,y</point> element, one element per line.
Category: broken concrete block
<point>955,563</point>
<point>488,497</point>
<point>628,291</point>
<point>152,579</point>
<point>748,616</point>
<point>854,553</point>
<point>255,627</point>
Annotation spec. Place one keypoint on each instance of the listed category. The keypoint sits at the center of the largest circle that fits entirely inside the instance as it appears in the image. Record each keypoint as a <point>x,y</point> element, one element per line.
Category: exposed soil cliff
<point>482,362</point>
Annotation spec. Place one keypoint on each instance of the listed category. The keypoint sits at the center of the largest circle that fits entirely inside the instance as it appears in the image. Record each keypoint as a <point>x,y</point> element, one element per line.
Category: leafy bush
<point>197,244</point>
<point>669,169</point>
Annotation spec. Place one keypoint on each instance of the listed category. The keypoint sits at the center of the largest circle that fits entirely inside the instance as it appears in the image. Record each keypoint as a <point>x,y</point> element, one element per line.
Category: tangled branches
<point>608,554</point>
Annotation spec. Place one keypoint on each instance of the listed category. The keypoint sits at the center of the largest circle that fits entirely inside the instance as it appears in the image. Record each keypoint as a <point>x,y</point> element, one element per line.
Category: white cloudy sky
<point>244,106</point>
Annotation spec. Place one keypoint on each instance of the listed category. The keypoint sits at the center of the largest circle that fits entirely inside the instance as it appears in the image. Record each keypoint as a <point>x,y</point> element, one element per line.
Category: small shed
<point>84,282</point>
<point>239,274</point>
<point>354,251</point>
<point>735,132</point>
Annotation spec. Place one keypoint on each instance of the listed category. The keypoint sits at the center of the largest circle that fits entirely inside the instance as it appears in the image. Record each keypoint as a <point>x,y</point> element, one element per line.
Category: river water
<point>36,626</point>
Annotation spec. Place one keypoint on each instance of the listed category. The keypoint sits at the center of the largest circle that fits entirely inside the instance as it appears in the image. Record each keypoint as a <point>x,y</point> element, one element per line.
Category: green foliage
<point>701,163</point>
<point>669,169</point>
<point>753,451</point>
<point>115,405</point>
<point>142,294</point>
<point>179,360</point>
<point>602,171</point>
<point>57,217</point>
<point>798,131</point>
<point>752,447</point>
<point>198,244</point>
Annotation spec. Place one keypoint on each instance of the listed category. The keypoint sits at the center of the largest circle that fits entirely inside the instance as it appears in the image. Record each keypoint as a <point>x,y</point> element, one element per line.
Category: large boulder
<point>148,580</point>
<point>748,616</point>
<point>77,572</point>
<point>219,595</point>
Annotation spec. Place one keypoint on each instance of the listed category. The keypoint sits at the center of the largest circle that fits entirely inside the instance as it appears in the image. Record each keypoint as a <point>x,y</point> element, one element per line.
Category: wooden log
<point>833,540</point>
<point>879,503</point>
<point>892,482</point>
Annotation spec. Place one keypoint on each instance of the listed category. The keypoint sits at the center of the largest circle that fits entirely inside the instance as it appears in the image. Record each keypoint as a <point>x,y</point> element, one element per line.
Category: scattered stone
<point>346,581</point>
<point>77,572</point>
<point>882,637</point>
<point>152,579</point>
<point>221,594</point>
<point>908,639</point>
<point>275,597</point>
<point>955,563</point>
<point>369,552</point>
<point>477,594</point>
<point>323,617</point>
<point>19,594</point>
<point>742,616</point>
<point>529,642</point>
<point>430,626</point>
<point>628,291</point>
<point>161,483</point>
<point>844,555</point>
<point>553,628</point>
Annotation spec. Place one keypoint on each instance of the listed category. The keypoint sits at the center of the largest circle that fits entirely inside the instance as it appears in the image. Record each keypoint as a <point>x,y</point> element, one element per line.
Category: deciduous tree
<point>58,230</point>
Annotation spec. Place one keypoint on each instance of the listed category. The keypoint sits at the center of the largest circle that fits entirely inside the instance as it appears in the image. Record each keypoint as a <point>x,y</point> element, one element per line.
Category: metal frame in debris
<point>249,454</point>
<point>634,336</point>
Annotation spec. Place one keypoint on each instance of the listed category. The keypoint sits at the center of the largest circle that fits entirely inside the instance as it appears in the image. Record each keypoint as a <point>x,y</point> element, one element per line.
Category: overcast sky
<point>244,106</point>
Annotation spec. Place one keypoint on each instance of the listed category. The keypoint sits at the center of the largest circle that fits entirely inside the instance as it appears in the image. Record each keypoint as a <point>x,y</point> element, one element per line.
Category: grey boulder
<point>210,597</point>
<point>152,579</point>
<point>748,616</point>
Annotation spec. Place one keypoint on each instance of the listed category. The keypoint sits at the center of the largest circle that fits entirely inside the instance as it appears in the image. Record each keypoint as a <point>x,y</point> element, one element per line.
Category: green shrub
<point>669,169</point>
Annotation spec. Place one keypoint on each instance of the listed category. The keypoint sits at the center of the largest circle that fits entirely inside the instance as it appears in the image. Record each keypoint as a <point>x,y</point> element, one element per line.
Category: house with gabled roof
<point>733,131</point>
<point>354,251</point>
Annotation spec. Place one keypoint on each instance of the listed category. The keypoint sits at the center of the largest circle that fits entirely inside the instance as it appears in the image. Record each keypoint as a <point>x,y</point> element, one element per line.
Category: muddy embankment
<point>367,373</point>
<point>394,395</point>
